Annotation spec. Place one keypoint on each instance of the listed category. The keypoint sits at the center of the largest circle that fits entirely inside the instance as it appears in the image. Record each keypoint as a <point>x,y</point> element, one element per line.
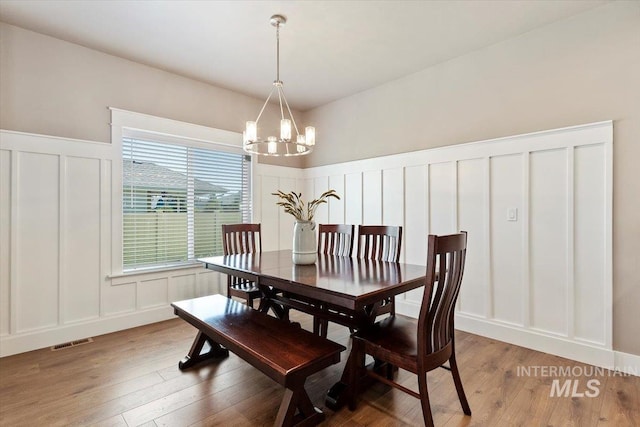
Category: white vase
<point>304,242</point>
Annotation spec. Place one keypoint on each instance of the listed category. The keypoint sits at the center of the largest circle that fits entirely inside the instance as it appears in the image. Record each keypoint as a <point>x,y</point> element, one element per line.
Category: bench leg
<point>195,354</point>
<point>297,400</point>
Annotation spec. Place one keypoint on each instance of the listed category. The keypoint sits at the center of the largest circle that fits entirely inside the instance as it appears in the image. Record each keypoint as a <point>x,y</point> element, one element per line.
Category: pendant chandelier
<point>286,144</point>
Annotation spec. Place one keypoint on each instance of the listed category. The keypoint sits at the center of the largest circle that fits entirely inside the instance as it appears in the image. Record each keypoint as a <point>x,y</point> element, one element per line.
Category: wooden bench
<point>282,351</point>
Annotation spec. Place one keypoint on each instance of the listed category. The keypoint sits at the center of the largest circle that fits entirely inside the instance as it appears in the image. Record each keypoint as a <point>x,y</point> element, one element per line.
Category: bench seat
<point>284,352</point>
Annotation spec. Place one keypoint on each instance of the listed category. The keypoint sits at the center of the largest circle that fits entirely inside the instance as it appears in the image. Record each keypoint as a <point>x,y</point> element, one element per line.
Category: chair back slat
<point>241,239</point>
<point>335,239</point>
<point>380,242</point>
<point>445,268</point>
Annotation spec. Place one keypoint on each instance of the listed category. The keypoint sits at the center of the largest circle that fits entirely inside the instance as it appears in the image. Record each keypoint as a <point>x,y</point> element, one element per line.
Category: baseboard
<point>627,363</point>
<point>559,346</point>
<point>556,345</point>
<point>20,343</point>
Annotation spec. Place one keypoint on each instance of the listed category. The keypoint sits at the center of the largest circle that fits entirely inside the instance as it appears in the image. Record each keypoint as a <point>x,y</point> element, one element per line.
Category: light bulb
<point>251,131</point>
<point>285,129</point>
<point>310,135</point>
<point>272,146</point>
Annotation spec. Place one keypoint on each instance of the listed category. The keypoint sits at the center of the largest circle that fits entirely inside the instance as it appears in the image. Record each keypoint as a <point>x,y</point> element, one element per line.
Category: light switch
<point>512,214</point>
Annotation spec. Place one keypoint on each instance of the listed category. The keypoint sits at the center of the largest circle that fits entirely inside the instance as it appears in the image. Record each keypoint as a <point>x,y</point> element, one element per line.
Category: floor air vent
<point>71,344</point>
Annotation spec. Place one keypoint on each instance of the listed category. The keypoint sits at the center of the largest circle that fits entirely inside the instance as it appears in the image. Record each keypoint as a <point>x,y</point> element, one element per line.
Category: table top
<point>344,281</point>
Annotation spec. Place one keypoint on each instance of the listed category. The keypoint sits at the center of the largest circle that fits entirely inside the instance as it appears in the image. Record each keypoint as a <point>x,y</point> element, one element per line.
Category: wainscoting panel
<point>268,217</point>
<point>590,243</point>
<point>37,248</point>
<point>372,197</point>
<point>538,211</point>
<point>81,264</point>
<point>337,207</point>
<point>508,281</point>
<point>442,194</point>
<point>55,244</point>
<point>416,204</point>
<point>5,240</point>
<point>392,192</point>
<point>472,217</point>
<point>537,208</point>
<point>182,286</point>
<point>548,230</point>
<point>353,198</point>
<point>152,293</point>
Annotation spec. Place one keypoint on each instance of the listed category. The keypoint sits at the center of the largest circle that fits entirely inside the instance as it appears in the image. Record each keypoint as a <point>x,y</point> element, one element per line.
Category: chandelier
<point>286,144</point>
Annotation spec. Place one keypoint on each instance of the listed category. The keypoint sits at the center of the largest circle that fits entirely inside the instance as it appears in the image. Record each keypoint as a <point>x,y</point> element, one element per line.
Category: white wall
<point>542,281</point>
<point>56,241</point>
<point>542,278</point>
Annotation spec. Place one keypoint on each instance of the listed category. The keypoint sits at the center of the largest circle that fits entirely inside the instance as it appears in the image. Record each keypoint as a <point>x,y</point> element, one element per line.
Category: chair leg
<point>424,399</point>
<point>458,382</point>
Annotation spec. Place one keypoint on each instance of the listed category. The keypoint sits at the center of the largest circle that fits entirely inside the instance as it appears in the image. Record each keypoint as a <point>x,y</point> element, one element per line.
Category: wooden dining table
<point>344,290</point>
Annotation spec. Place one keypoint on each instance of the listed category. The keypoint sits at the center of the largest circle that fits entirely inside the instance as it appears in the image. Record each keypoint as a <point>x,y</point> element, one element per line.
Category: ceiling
<point>328,49</point>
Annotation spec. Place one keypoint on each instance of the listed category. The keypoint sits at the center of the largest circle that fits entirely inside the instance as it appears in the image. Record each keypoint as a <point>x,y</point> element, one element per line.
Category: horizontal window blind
<point>175,199</point>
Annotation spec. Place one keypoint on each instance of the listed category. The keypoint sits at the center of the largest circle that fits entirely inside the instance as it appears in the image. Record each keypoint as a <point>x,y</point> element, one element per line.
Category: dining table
<point>345,290</point>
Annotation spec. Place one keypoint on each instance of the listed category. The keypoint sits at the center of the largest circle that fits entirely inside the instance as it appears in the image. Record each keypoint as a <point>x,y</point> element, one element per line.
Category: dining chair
<point>241,239</point>
<point>381,243</point>
<point>335,239</point>
<point>421,345</point>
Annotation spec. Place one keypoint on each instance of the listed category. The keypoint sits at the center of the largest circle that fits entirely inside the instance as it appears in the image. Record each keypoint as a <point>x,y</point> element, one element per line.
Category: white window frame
<point>127,123</point>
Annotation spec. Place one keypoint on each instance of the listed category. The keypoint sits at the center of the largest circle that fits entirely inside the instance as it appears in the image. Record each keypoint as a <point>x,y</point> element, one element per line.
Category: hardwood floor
<point>131,378</point>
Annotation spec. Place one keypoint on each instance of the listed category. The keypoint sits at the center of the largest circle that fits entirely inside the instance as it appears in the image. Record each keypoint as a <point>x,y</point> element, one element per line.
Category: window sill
<point>153,270</point>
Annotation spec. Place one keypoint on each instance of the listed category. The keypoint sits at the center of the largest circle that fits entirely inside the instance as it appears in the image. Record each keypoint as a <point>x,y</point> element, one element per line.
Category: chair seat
<point>246,287</point>
<point>397,335</point>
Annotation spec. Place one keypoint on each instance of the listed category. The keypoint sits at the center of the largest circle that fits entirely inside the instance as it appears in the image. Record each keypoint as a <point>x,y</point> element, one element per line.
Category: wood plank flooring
<point>131,378</point>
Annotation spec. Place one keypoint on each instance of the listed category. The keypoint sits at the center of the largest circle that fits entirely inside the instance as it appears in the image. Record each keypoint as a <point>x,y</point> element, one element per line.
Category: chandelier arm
<point>264,105</point>
<point>289,110</point>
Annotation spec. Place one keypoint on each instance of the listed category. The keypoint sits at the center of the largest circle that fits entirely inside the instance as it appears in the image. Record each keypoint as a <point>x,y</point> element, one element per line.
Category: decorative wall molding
<point>56,219</point>
<point>538,209</point>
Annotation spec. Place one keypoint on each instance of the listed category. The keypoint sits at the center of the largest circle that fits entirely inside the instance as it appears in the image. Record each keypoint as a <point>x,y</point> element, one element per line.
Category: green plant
<point>293,204</point>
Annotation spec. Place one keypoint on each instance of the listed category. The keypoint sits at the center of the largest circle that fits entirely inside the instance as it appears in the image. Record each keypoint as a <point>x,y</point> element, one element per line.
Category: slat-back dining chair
<point>421,345</point>
<point>381,243</point>
<point>333,239</point>
<point>241,239</point>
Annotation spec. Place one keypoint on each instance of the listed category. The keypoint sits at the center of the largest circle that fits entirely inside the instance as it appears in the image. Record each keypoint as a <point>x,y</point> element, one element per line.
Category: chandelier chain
<point>277,52</point>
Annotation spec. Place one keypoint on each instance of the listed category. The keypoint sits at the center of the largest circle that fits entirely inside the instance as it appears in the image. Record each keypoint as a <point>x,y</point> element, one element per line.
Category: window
<point>176,196</point>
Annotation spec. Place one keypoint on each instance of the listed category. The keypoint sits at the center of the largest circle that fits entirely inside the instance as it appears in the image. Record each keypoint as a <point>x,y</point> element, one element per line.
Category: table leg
<point>216,351</point>
<point>267,303</point>
<point>338,394</point>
